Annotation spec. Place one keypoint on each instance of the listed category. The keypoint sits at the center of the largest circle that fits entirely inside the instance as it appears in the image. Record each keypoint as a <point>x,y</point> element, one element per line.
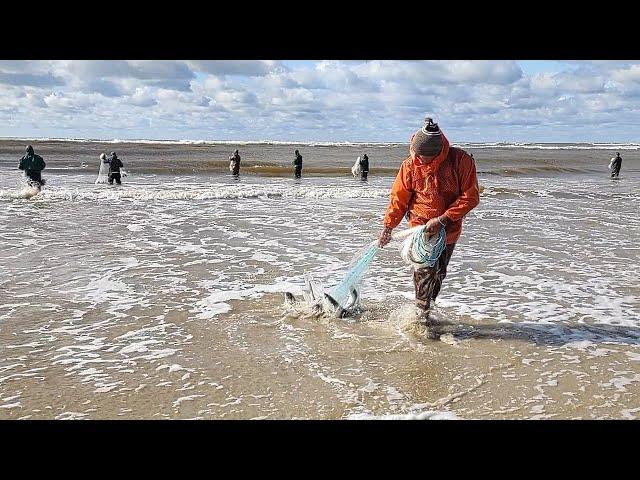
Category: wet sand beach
<point>164,298</point>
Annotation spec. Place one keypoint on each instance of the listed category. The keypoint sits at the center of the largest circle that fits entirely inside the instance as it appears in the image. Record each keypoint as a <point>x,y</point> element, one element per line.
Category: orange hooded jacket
<point>448,185</point>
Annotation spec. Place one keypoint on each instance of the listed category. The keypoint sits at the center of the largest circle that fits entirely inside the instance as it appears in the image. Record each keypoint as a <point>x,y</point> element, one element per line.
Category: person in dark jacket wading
<point>298,164</point>
<point>364,167</point>
<point>33,165</point>
<point>114,169</point>
<point>234,163</point>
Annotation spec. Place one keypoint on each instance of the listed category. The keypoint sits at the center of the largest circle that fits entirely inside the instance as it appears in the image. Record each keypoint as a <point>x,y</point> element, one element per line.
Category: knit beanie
<point>428,140</point>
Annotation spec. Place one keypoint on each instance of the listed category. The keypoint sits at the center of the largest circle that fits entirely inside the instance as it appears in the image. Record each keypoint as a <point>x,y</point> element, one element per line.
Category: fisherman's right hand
<point>385,237</point>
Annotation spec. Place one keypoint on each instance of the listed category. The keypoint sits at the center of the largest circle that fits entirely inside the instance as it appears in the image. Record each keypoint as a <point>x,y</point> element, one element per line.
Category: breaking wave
<point>213,192</point>
<point>519,145</point>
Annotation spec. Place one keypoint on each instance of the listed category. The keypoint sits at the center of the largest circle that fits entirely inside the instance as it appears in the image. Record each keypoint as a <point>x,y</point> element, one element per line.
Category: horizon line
<point>295,142</point>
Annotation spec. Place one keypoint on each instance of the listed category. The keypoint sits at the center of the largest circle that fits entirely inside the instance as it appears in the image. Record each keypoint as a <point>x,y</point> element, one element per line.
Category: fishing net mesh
<point>358,267</point>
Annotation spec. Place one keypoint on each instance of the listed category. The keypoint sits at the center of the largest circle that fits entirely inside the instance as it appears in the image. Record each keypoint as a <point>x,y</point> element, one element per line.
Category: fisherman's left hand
<point>433,226</point>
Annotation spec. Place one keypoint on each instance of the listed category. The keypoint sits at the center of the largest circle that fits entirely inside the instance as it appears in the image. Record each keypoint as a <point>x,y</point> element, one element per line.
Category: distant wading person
<point>361,167</point>
<point>234,163</point>
<point>615,165</point>
<point>114,168</point>
<point>364,167</point>
<point>103,171</point>
<point>436,186</point>
<point>298,164</point>
<point>33,165</point>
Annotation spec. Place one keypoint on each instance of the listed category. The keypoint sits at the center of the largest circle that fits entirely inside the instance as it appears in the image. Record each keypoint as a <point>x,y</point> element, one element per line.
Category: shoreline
<point>329,144</point>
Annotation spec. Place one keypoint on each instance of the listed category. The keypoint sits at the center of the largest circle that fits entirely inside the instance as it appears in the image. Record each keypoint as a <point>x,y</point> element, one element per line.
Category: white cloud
<point>327,100</point>
<point>236,67</point>
<point>143,97</point>
<point>30,79</point>
<point>454,72</point>
<point>630,74</point>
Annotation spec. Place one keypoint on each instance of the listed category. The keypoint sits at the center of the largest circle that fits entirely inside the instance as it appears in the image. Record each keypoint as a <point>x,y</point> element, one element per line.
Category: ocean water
<point>164,298</point>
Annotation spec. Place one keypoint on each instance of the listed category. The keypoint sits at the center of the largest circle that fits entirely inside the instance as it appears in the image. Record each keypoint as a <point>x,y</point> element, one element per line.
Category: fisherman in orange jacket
<point>437,185</point>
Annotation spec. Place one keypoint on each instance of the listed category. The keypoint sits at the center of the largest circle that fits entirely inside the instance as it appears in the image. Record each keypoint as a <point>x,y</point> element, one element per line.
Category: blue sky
<point>332,100</point>
<point>532,67</point>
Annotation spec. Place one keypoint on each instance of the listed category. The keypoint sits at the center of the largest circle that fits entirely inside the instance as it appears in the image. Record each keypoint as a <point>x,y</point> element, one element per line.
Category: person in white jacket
<point>615,165</point>
<point>103,172</point>
<point>361,167</point>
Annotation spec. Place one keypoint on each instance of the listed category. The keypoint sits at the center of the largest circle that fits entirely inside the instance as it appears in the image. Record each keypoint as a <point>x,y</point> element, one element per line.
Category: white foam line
<point>213,192</point>
<point>138,347</point>
<point>427,415</point>
<point>186,399</point>
<point>71,416</point>
<point>215,303</point>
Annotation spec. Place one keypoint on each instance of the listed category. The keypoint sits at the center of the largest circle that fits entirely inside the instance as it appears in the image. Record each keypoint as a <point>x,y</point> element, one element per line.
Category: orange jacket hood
<point>446,186</point>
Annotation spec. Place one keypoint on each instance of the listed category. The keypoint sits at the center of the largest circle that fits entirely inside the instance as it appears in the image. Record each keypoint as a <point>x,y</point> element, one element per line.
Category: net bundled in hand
<point>421,251</point>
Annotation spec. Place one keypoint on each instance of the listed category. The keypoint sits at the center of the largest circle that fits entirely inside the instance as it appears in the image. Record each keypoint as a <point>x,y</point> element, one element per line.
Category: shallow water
<point>163,298</point>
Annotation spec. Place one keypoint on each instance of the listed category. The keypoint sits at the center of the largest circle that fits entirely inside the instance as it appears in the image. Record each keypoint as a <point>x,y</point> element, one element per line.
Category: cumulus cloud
<point>454,72</point>
<point>103,87</point>
<point>143,97</point>
<point>237,67</point>
<point>29,79</point>
<point>323,100</point>
<point>628,74</point>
